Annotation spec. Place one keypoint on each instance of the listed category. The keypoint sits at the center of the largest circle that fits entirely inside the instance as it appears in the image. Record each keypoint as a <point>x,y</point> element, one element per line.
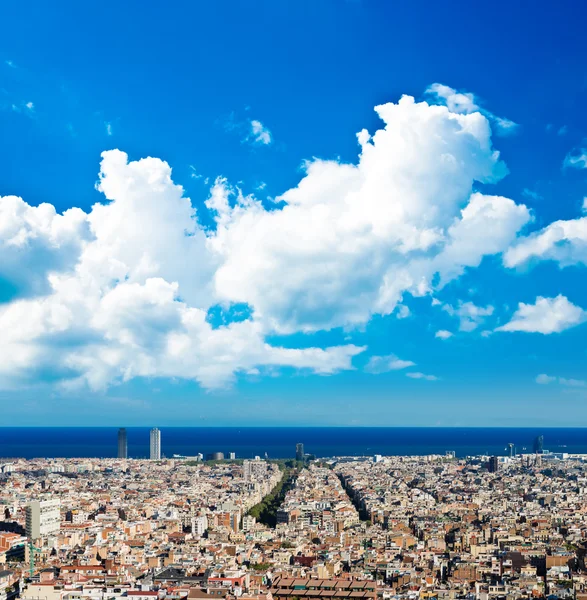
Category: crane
<point>32,550</point>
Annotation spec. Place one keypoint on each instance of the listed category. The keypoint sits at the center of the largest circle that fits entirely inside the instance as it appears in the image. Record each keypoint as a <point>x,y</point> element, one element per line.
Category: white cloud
<point>577,159</point>
<point>504,126</point>
<point>36,241</point>
<point>544,379</point>
<point>562,241</point>
<point>457,102</point>
<point>469,315</point>
<point>10,64</point>
<point>27,108</point>
<point>108,127</point>
<point>351,240</point>
<point>547,315</point>
<point>383,364</point>
<point>403,312</point>
<point>259,133</point>
<point>418,375</point>
<point>563,130</point>
<point>124,290</point>
<point>531,195</point>
<point>443,334</point>
<point>466,103</point>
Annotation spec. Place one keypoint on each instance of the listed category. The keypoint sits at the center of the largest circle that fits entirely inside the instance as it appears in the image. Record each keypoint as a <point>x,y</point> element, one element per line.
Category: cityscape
<point>388,527</point>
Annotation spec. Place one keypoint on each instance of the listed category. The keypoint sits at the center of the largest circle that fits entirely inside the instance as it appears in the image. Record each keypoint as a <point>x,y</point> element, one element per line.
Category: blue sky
<point>406,277</point>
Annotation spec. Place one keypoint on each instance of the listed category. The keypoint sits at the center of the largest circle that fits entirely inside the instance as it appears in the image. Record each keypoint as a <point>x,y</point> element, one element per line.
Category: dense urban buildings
<point>431,527</point>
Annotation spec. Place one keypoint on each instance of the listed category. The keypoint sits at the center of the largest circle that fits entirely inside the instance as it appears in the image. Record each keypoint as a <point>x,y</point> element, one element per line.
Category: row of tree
<point>266,510</point>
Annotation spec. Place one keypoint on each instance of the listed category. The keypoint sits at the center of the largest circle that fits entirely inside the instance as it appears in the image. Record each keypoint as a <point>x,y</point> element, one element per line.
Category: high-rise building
<point>43,518</point>
<point>155,445</point>
<point>122,443</point>
<point>299,451</point>
<point>493,464</point>
<point>254,469</point>
<point>539,444</point>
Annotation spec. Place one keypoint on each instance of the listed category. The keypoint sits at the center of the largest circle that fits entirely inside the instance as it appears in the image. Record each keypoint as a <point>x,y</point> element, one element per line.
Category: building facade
<point>254,469</point>
<point>43,518</point>
<point>155,445</point>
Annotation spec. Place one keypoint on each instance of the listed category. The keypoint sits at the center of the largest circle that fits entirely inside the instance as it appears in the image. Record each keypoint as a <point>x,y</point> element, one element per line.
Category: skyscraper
<point>299,451</point>
<point>155,446</point>
<point>539,444</point>
<point>493,464</point>
<point>122,443</point>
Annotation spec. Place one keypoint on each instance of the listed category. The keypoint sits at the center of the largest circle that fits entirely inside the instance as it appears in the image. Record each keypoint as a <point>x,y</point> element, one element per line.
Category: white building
<point>155,445</point>
<point>43,518</point>
<point>199,525</point>
<point>248,523</point>
<point>254,469</point>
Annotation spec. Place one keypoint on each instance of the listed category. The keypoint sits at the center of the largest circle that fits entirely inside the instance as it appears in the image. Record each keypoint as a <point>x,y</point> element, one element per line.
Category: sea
<point>280,442</point>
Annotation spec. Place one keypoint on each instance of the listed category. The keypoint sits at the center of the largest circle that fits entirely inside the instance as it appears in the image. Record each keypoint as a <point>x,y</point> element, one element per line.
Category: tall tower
<point>155,446</point>
<point>538,444</point>
<point>122,443</point>
<point>299,451</point>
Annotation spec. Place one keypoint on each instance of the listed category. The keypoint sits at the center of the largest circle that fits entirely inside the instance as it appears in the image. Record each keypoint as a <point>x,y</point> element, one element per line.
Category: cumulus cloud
<point>418,375</point>
<point>466,103</point>
<point>563,241</point>
<point>35,241</point>
<point>544,379</point>
<point>470,316</point>
<point>352,239</point>
<point>547,315</point>
<point>383,364</point>
<point>125,289</point>
<point>403,312</point>
<point>443,334</point>
<point>259,134</point>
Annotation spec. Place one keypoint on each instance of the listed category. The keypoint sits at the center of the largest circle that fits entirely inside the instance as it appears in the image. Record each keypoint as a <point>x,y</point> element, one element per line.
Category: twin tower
<point>154,444</point>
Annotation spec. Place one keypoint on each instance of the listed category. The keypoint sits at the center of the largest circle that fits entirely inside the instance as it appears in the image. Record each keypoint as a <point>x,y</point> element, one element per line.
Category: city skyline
<point>383,224</point>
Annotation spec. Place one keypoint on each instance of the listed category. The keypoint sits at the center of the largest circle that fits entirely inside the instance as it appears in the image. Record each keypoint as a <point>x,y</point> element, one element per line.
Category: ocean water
<point>279,442</point>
